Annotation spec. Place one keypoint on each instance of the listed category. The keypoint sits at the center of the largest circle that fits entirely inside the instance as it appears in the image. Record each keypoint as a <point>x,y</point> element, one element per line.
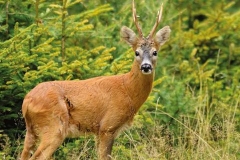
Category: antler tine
<point>159,16</point>
<point>136,20</point>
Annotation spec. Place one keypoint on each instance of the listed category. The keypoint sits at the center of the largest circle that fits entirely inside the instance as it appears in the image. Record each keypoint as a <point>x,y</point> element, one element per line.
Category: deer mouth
<point>146,72</point>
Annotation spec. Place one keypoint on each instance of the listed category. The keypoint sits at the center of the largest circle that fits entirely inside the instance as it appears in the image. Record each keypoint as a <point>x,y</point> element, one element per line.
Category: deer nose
<point>146,68</point>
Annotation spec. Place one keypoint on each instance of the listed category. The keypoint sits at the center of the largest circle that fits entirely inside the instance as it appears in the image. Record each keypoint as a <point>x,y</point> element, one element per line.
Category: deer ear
<point>128,35</point>
<point>163,35</point>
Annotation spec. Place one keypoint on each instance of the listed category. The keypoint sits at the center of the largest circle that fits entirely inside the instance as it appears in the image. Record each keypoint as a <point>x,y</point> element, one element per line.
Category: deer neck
<point>138,85</point>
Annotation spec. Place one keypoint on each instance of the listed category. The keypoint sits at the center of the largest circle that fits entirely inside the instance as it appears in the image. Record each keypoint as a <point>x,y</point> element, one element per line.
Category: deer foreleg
<point>104,145</point>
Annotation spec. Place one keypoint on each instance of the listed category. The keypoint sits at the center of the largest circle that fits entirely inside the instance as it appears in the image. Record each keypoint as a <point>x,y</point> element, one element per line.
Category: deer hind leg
<point>51,134</point>
<point>29,144</point>
<point>47,146</point>
<point>51,138</point>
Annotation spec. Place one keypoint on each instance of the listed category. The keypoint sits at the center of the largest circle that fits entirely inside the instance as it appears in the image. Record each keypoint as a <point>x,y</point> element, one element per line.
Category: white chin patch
<point>148,72</point>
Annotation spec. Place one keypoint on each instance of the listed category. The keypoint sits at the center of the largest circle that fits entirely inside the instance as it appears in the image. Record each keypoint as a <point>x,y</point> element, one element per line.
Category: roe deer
<point>103,105</point>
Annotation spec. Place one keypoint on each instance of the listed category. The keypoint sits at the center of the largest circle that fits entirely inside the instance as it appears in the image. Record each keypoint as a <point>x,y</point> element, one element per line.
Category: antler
<point>136,20</point>
<point>159,16</point>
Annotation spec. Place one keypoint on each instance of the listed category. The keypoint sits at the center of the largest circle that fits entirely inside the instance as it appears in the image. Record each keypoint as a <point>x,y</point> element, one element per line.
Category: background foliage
<point>193,111</point>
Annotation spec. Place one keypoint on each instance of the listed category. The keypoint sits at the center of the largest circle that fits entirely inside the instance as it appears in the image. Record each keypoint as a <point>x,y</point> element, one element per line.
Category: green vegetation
<point>194,109</point>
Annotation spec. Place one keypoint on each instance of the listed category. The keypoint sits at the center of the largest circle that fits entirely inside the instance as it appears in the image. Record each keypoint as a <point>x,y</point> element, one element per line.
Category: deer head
<point>146,48</point>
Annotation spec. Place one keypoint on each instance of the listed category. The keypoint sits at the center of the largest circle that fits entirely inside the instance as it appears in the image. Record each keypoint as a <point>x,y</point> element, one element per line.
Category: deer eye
<point>136,53</point>
<point>155,53</point>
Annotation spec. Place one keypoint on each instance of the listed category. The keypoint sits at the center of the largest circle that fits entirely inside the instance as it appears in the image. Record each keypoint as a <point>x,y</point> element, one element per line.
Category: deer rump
<point>76,107</point>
